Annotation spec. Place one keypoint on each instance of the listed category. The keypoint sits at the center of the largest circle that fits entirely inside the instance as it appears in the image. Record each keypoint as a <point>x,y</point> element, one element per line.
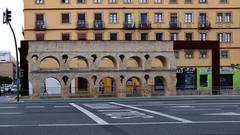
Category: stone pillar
<point>120,88</point>
<point>65,91</point>
<point>148,88</point>
<point>36,88</point>
<point>93,90</point>
<point>170,84</point>
<point>147,64</point>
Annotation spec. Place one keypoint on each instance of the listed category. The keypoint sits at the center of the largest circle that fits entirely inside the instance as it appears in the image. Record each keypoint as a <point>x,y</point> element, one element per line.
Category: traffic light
<point>7,16</point>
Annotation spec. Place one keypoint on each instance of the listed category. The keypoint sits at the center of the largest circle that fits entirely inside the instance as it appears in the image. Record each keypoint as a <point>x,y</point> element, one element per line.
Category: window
<point>113,36</point>
<point>112,1</point>
<point>39,1</point>
<point>144,36</point>
<point>98,36</point>
<point>227,17</point>
<point>81,1</point>
<point>188,1</point>
<point>224,37</point>
<point>127,1</point>
<point>113,18</point>
<point>128,18</point>
<point>158,18</point>
<point>188,17</point>
<point>172,1</point>
<point>173,36</point>
<point>128,36</point>
<point>82,36</point>
<point>159,36</point>
<point>202,1</point>
<point>158,1</point>
<point>203,54</point>
<point>40,21</point>
<point>224,17</point>
<point>202,36</point>
<point>65,1</point>
<point>188,54</point>
<point>203,80</point>
<point>39,36</point>
<point>143,1</point>
<point>224,54</point>
<point>223,1</point>
<point>188,36</point>
<point>65,36</point>
<point>176,54</point>
<point>65,18</point>
<point>97,1</point>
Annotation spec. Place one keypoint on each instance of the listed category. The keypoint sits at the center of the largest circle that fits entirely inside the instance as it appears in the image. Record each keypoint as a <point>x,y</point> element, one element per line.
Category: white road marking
<point>101,106</point>
<point>11,113</point>
<point>153,112</point>
<point>188,104</point>
<point>114,110</point>
<point>33,107</point>
<point>8,107</point>
<point>89,114</point>
<point>64,106</point>
<point>224,114</point>
<point>185,106</point>
<point>194,109</point>
<point>120,124</point>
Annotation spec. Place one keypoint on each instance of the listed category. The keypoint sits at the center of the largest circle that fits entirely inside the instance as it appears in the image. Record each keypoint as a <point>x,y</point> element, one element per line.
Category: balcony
<point>204,25</point>
<point>175,25</point>
<point>98,24</point>
<point>40,25</point>
<point>144,25</point>
<point>128,25</point>
<point>82,25</point>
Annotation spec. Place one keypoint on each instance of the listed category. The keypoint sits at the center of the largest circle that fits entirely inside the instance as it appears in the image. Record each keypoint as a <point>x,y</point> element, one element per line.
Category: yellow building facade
<point>140,20</point>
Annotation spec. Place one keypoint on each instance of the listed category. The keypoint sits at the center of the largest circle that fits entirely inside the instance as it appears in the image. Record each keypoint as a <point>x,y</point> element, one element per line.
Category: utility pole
<point>6,20</point>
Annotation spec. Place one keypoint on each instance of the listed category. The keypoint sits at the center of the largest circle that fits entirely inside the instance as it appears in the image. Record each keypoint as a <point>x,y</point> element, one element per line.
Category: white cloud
<point>6,37</point>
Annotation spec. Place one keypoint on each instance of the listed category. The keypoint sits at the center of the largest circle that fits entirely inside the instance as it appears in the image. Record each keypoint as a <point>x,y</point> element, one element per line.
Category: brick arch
<point>78,62</point>
<point>108,60</point>
<point>134,62</point>
<point>159,62</point>
<point>53,63</point>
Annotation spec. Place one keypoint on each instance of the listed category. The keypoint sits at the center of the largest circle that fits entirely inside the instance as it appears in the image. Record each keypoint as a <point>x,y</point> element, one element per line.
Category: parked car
<point>14,89</point>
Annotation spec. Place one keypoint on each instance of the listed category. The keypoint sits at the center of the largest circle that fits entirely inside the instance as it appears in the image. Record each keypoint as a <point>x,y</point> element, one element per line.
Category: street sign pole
<point>7,20</point>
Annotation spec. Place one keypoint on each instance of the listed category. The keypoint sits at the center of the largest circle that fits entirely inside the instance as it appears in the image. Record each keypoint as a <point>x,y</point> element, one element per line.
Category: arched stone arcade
<point>125,72</point>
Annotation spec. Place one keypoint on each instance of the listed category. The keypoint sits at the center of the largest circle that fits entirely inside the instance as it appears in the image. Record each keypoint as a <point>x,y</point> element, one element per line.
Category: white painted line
<point>194,109</point>
<point>11,113</point>
<point>120,124</point>
<point>8,107</point>
<point>90,115</point>
<point>64,106</point>
<point>184,106</point>
<point>33,107</point>
<point>153,112</point>
<point>224,114</point>
<point>121,110</point>
<point>188,104</point>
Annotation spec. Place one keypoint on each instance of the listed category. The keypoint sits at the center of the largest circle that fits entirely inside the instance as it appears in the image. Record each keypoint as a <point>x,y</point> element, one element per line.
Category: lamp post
<point>7,19</point>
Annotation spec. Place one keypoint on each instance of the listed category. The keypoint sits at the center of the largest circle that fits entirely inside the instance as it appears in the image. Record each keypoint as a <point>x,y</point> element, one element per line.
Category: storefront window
<point>203,80</point>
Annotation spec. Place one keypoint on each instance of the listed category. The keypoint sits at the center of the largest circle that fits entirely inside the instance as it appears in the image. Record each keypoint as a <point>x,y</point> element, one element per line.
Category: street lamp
<point>6,20</point>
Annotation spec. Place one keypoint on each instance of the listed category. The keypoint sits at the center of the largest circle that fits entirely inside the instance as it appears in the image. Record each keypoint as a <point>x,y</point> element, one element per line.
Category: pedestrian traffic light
<point>7,16</point>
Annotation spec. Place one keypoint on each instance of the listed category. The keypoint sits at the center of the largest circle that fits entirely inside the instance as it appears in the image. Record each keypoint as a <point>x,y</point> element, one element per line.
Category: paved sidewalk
<point>156,98</point>
<point>7,99</point>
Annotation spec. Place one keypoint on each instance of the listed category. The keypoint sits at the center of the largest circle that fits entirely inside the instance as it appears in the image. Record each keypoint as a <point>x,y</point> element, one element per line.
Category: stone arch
<point>108,62</point>
<point>159,62</point>
<point>107,86</point>
<point>34,59</point>
<point>133,86</point>
<point>134,62</point>
<point>78,62</point>
<point>49,62</point>
<point>80,87</point>
<point>52,85</point>
<point>159,85</point>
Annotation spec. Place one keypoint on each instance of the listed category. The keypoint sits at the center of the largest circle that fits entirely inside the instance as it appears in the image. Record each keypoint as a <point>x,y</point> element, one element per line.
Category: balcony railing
<point>82,25</point>
<point>204,25</point>
<point>98,24</point>
<point>127,25</point>
<point>40,25</point>
<point>175,25</point>
<point>144,25</point>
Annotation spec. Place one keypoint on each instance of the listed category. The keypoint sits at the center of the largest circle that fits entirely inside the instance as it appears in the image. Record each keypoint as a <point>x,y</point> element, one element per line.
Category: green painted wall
<point>208,72</point>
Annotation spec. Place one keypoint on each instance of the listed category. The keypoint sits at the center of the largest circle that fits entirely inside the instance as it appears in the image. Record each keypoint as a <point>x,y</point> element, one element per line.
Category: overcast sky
<point>6,37</point>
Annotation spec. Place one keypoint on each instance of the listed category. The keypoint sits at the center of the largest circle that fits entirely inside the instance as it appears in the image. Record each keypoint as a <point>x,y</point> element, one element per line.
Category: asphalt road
<point>186,117</point>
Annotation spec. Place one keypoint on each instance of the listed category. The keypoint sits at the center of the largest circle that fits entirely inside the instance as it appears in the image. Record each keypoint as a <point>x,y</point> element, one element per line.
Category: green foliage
<point>5,80</point>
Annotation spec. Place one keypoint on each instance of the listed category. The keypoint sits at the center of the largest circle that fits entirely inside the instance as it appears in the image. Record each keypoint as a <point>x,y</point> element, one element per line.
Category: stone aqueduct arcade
<point>103,68</point>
